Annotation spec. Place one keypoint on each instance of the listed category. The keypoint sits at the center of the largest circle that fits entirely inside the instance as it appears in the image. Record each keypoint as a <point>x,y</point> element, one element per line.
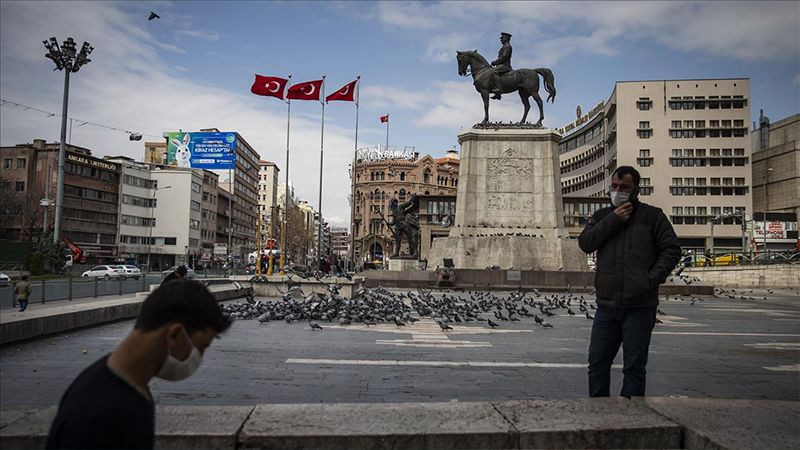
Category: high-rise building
<point>267,193</point>
<point>137,204</point>
<point>381,176</point>
<point>776,183</point>
<point>340,242</point>
<point>688,139</point>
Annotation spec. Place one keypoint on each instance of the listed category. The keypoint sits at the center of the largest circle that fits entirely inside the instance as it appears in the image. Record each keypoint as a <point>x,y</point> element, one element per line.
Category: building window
<point>644,159</point>
<point>402,176</point>
<point>8,163</point>
<point>20,186</point>
<point>21,162</point>
<point>644,131</point>
<point>427,176</point>
<point>644,104</point>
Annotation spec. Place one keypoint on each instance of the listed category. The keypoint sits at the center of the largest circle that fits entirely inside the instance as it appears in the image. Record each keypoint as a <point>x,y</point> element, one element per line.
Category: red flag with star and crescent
<point>269,86</point>
<point>309,90</point>
<point>385,118</point>
<point>345,94</point>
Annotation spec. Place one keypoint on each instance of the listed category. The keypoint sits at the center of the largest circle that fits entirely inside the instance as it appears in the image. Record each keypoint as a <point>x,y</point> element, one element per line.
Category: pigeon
<point>314,326</point>
<point>399,323</point>
<point>658,321</point>
<point>589,316</point>
<point>444,326</point>
<point>492,324</point>
<point>153,16</point>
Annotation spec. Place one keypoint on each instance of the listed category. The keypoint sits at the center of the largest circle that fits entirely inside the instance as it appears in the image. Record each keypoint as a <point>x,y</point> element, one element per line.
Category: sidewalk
<point>49,318</point>
<point>653,422</point>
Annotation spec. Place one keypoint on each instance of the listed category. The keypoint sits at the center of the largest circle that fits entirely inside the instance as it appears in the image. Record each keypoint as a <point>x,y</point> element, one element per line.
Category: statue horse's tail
<point>547,74</point>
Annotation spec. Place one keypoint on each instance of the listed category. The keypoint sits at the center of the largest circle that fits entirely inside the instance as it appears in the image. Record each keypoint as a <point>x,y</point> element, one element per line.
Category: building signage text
<point>381,153</point>
<point>91,162</point>
<point>581,120</point>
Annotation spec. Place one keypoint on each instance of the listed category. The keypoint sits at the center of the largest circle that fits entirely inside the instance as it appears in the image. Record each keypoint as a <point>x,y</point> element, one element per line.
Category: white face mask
<point>174,369</point>
<point>618,198</point>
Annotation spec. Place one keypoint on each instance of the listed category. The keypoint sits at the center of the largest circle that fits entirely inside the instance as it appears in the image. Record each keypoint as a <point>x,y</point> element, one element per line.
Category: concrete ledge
<point>65,316</point>
<point>584,423</point>
<point>720,423</point>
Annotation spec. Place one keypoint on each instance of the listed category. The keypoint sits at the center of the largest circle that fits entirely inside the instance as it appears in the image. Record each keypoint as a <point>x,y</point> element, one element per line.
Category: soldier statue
<point>501,65</point>
<point>405,223</point>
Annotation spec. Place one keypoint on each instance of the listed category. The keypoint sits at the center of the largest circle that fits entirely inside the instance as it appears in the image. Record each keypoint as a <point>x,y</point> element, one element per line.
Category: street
<point>717,348</point>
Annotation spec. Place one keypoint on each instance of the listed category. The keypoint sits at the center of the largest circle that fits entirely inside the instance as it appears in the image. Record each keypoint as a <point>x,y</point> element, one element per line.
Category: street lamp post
<point>65,59</point>
<point>152,225</point>
<point>764,222</point>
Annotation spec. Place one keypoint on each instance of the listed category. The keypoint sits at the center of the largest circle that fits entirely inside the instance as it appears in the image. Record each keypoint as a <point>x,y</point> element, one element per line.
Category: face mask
<point>618,198</point>
<point>174,369</point>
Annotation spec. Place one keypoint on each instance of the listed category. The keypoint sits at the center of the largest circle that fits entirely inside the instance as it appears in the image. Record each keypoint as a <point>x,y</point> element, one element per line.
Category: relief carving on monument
<point>508,175</point>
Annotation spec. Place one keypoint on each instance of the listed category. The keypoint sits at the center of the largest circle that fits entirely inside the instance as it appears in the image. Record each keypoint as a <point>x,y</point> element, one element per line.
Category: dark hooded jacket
<point>633,257</point>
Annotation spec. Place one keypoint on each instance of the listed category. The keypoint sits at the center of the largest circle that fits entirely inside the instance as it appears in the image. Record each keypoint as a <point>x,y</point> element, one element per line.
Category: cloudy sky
<point>193,68</point>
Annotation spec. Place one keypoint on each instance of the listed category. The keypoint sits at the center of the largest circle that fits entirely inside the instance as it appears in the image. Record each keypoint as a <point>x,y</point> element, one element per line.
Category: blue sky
<point>193,68</point>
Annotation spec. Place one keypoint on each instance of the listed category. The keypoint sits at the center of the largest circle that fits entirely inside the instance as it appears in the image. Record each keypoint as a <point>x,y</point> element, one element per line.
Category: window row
<point>138,201</point>
<point>143,240</point>
<point>581,139</point>
<point>8,163</point>
<point>139,221</point>
<point>713,102</point>
<point>90,194</point>
<point>92,172</point>
<point>139,182</point>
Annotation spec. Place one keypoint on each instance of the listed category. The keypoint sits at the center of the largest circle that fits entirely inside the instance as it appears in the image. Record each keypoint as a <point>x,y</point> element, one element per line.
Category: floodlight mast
<point>65,59</point>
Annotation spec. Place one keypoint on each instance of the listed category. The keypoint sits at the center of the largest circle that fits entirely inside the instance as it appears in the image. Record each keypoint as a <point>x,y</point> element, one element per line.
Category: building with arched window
<point>378,181</point>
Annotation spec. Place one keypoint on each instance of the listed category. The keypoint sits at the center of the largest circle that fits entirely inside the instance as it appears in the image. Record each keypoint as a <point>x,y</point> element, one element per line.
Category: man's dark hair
<point>24,277</point>
<point>184,301</point>
<point>628,170</point>
<point>181,270</point>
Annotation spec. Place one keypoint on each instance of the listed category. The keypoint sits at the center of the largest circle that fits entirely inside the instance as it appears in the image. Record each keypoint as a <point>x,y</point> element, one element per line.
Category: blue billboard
<point>202,150</point>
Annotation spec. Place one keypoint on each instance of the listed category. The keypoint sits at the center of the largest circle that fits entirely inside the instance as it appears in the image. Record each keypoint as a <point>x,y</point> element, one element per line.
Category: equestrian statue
<point>499,78</point>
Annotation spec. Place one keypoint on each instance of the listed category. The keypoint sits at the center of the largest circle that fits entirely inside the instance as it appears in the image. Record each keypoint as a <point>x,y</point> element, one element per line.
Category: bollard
<point>69,283</point>
<point>44,288</point>
<point>120,285</point>
<point>95,287</point>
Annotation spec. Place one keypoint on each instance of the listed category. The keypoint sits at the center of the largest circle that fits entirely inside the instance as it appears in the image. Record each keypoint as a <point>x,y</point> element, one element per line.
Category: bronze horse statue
<point>525,81</point>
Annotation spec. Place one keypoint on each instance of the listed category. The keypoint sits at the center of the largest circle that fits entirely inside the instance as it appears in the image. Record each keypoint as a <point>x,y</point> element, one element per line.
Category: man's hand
<point>624,211</point>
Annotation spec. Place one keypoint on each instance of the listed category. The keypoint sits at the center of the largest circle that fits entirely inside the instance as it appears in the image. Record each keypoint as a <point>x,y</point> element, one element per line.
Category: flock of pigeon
<point>371,306</point>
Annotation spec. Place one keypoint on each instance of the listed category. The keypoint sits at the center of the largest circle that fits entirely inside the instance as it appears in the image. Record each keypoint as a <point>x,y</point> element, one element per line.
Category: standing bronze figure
<point>503,79</point>
<point>405,223</point>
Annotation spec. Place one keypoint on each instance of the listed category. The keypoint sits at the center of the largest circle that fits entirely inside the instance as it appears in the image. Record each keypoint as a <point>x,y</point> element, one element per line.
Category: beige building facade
<point>267,193</point>
<point>379,180</point>
<point>776,182</point>
<point>690,141</point>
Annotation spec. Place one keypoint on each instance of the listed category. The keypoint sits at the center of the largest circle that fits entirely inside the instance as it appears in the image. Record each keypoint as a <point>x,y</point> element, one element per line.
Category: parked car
<point>105,272</point>
<point>5,280</point>
<point>131,271</point>
<point>189,272</point>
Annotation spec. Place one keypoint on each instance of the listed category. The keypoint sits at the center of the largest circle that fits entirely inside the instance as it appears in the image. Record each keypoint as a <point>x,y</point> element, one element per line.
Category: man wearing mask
<point>109,404</point>
<point>636,250</point>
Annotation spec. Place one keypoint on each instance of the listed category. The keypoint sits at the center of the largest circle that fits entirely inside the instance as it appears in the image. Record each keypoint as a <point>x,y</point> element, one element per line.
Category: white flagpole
<point>353,179</point>
<point>387,132</point>
<point>284,246</point>
<point>319,209</point>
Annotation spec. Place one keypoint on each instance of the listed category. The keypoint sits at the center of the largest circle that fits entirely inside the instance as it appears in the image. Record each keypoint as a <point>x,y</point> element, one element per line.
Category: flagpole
<point>387,132</point>
<point>284,246</point>
<point>319,209</point>
<point>353,180</point>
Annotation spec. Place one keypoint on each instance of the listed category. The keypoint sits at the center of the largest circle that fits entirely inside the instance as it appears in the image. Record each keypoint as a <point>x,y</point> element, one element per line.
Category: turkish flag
<point>269,86</point>
<point>385,118</point>
<point>345,94</point>
<point>310,90</point>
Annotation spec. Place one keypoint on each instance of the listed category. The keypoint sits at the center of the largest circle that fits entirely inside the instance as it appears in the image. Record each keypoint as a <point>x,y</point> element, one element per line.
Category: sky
<point>193,69</point>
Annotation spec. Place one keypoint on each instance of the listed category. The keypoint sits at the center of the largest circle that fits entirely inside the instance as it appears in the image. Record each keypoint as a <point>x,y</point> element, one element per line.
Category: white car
<point>105,272</point>
<point>131,271</point>
<point>5,280</point>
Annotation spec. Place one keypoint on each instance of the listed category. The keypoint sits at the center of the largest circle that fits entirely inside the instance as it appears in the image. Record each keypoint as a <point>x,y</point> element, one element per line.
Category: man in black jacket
<point>636,250</point>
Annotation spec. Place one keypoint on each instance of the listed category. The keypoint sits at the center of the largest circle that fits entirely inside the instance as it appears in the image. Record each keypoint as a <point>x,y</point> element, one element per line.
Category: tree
<point>48,254</point>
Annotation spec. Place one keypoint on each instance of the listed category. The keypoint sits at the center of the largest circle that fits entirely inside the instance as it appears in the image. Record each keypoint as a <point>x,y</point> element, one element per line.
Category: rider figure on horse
<point>501,65</point>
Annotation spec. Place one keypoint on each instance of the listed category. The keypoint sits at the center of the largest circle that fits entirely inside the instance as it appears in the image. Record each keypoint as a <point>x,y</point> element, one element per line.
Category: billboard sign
<point>774,229</point>
<point>203,150</point>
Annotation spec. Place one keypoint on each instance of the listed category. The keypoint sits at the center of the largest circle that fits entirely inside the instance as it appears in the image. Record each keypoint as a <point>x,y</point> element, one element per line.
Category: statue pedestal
<point>508,210</point>
<point>406,264</point>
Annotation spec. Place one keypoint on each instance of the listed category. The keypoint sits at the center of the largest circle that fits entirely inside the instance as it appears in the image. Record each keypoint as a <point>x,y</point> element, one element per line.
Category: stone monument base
<point>524,252</point>
<point>404,264</point>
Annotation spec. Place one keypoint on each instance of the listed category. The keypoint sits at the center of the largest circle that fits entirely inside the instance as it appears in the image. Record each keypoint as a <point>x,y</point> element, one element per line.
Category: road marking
<point>698,333</point>
<point>785,368</point>
<point>394,362</point>
<point>776,345</point>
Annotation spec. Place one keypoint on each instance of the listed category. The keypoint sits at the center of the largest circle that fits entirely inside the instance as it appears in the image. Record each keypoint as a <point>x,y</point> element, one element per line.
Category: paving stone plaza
<point>714,347</point>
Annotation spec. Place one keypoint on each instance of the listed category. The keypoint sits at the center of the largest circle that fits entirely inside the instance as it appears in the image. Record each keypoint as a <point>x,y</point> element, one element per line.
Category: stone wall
<point>776,276</point>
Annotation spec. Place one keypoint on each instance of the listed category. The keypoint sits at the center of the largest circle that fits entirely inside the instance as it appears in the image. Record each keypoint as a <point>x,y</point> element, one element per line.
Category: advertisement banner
<point>203,150</point>
<point>774,229</point>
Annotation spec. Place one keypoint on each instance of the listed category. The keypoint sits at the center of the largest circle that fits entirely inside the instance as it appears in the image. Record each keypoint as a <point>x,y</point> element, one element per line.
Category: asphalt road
<point>717,348</point>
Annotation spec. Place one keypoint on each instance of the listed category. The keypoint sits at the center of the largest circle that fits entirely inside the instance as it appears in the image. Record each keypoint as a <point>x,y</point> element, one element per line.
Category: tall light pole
<point>152,225</point>
<point>65,59</point>
<point>764,228</point>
